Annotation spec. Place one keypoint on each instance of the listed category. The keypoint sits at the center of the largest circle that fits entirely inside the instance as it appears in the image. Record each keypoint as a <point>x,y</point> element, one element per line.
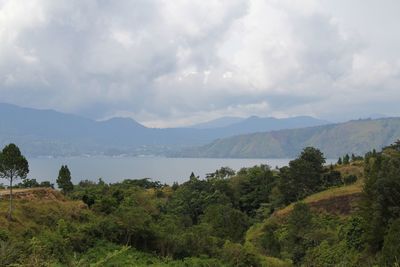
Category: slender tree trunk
<point>11,199</point>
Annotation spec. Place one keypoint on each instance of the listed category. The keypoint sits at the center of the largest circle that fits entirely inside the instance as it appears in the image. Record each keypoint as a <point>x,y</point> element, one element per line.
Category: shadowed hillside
<point>333,140</point>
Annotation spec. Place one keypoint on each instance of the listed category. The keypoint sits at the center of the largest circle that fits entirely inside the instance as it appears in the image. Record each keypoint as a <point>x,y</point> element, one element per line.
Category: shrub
<point>237,255</point>
<point>391,247</point>
<point>350,179</point>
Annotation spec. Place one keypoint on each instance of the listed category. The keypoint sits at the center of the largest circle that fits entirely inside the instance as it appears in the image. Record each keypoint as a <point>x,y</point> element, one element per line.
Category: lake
<point>165,170</point>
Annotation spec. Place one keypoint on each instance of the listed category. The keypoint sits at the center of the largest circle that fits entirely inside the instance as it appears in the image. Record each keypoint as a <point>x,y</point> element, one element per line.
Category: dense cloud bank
<point>168,63</point>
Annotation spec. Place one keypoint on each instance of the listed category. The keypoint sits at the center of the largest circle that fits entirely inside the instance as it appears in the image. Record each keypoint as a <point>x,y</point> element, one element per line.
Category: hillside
<point>335,205</point>
<point>33,194</point>
<point>333,140</point>
<point>226,126</point>
<point>304,214</point>
<point>337,200</point>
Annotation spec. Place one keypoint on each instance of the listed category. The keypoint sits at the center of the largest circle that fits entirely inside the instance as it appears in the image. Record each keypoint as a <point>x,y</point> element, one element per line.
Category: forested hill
<point>358,136</point>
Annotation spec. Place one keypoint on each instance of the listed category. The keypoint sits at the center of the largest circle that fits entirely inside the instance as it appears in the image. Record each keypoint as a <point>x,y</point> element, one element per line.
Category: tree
<point>253,186</point>
<point>238,255</point>
<point>64,180</point>
<point>226,222</point>
<point>193,177</point>
<point>222,173</point>
<point>339,162</point>
<point>391,247</point>
<point>29,183</point>
<point>46,184</point>
<point>303,176</point>
<point>381,196</point>
<point>13,165</point>
<point>314,156</point>
<point>346,159</point>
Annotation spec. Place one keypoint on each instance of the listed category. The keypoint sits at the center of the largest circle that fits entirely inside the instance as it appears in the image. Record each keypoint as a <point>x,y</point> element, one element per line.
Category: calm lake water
<point>165,170</point>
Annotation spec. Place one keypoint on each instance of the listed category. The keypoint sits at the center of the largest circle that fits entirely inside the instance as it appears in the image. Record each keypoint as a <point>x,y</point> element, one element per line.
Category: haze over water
<point>165,170</point>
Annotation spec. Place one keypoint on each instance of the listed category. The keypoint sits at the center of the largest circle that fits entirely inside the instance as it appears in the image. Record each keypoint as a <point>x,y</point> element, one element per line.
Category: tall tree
<point>64,180</point>
<point>380,203</point>
<point>303,176</point>
<point>346,159</point>
<point>13,166</point>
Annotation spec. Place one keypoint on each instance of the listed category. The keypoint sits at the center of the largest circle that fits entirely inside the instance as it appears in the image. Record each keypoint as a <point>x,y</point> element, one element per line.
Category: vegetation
<point>304,214</point>
<point>357,137</point>
<point>13,166</point>
<point>64,180</point>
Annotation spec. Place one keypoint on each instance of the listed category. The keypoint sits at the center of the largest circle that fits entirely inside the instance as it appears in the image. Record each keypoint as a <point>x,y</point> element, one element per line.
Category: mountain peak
<point>123,121</point>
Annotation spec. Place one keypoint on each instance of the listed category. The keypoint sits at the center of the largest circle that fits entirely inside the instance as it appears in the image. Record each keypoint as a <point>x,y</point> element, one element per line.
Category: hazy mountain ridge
<point>52,133</point>
<point>217,123</point>
<point>334,140</point>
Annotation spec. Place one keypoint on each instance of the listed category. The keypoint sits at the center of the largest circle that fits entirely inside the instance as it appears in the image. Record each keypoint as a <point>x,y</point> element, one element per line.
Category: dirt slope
<point>33,194</point>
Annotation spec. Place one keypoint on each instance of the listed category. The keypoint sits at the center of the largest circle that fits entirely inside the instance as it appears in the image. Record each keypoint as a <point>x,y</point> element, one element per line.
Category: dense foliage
<point>368,237</point>
<point>226,219</point>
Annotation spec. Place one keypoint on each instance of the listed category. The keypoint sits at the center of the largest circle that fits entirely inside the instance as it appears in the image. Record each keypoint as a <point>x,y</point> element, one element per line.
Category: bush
<point>226,222</point>
<point>352,233</point>
<point>332,178</point>
<point>46,184</point>
<point>326,254</point>
<point>237,255</point>
<point>391,247</point>
<point>269,240</point>
<point>4,235</point>
<point>350,179</point>
<point>11,252</point>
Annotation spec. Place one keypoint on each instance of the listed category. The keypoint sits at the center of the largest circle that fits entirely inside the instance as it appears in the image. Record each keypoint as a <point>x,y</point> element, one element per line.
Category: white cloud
<point>177,62</point>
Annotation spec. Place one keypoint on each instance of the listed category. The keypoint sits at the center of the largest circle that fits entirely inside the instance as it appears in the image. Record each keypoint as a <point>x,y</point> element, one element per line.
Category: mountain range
<point>51,133</point>
<point>334,140</point>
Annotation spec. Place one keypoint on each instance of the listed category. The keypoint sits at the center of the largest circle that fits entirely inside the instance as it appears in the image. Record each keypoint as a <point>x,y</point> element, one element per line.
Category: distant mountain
<point>218,123</point>
<point>377,116</point>
<point>258,124</point>
<point>47,132</point>
<point>334,140</point>
<point>51,133</point>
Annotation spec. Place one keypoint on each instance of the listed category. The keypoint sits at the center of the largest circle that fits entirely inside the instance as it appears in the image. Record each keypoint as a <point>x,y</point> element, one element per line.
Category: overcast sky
<point>172,63</point>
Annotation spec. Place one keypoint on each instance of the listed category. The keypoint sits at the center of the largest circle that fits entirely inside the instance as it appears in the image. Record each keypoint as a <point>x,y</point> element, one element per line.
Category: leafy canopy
<point>64,180</point>
<point>13,164</point>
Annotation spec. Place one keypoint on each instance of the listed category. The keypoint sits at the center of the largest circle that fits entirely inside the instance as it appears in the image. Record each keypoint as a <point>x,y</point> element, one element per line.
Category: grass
<point>335,192</point>
<point>252,238</point>
<point>108,254</point>
<point>32,213</point>
<point>354,189</point>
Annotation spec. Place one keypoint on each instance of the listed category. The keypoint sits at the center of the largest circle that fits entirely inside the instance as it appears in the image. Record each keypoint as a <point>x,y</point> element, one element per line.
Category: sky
<point>175,63</point>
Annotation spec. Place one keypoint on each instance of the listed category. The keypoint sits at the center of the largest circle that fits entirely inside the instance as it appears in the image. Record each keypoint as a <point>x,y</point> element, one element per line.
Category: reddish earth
<point>33,194</point>
<point>340,205</point>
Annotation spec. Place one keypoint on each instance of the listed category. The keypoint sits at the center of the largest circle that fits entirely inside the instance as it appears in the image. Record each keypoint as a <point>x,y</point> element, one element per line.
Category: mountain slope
<point>334,140</point>
<point>227,126</point>
<point>217,123</point>
<point>51,133</point>
<point>257,124</point>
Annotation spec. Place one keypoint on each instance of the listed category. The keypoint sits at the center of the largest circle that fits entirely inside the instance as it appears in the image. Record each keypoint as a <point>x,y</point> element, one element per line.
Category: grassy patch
<point>330,194</point>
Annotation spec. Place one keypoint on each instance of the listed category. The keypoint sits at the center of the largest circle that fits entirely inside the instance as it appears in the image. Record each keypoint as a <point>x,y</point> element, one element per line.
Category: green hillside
<point>333,140</point>
<point>304,214</point>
